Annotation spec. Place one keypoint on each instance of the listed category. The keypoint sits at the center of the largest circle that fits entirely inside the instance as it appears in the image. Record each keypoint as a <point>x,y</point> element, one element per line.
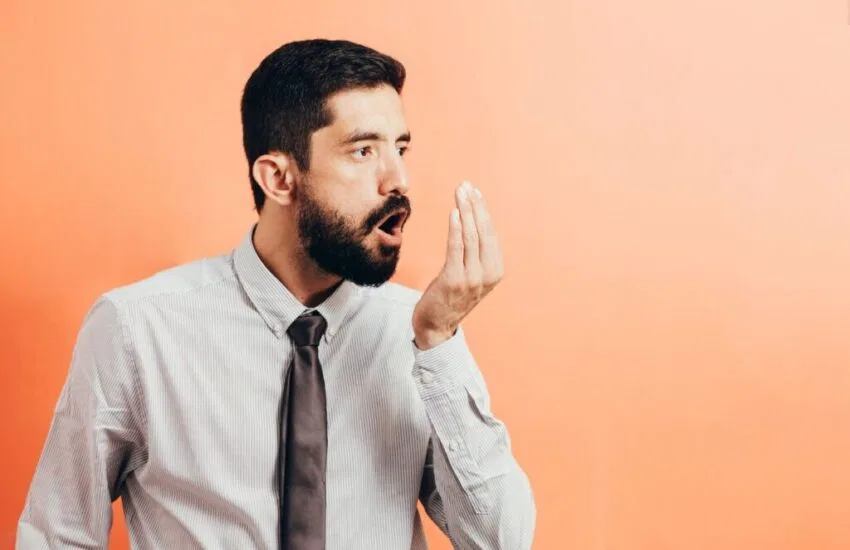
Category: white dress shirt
<point>172,403</point>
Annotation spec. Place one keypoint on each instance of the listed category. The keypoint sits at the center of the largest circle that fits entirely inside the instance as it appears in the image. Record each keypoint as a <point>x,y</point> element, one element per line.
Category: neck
<point>277,245</point>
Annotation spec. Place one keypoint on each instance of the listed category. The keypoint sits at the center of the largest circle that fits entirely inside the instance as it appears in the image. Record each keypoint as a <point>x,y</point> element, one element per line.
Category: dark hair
<point>284,100</point>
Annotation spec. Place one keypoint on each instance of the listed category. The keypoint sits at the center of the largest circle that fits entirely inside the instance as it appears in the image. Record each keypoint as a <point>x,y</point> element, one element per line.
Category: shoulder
<point>177,288</point>
<point>191,277</point>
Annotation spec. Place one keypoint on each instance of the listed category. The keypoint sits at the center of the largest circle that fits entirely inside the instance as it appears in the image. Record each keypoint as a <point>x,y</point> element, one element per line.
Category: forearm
<point>68,502</point>
<point>482,494</point>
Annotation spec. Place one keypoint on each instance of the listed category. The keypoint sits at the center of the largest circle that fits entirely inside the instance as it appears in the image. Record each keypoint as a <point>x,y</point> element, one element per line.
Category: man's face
<point>352,204</point>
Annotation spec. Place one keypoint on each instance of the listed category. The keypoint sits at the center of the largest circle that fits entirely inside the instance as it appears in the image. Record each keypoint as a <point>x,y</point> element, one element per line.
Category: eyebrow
<point>359,135</point>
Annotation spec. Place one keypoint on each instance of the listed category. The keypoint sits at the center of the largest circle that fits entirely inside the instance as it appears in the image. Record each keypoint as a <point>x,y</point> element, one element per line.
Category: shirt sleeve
<point>93,442</point>
<point>473,487</point>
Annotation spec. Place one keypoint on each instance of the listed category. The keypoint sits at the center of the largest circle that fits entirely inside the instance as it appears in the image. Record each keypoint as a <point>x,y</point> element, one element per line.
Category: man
<point>286,395</point>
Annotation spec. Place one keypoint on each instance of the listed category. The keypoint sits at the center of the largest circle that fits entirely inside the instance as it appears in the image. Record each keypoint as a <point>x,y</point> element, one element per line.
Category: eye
<point>402,149</point>
<point>362,152</point>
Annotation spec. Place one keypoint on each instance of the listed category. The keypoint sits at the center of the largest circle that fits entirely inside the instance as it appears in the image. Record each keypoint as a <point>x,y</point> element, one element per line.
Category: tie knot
<point>307,329</point>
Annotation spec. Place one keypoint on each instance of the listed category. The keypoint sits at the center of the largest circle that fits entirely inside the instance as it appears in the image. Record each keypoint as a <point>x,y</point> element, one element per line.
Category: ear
<point>275,174</point>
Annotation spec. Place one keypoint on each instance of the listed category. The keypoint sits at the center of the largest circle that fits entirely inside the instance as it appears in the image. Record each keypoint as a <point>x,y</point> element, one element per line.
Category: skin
<point>354,178</point>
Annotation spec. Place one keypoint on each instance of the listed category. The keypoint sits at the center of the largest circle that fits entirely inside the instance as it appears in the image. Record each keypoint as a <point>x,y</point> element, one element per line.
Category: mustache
<point>393,204</point>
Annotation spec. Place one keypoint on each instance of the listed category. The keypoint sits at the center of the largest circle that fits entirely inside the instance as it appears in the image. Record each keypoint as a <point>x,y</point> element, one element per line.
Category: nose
<point>392,176</point>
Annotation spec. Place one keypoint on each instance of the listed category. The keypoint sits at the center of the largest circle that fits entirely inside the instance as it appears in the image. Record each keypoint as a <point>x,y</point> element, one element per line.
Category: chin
<point>373,279</point>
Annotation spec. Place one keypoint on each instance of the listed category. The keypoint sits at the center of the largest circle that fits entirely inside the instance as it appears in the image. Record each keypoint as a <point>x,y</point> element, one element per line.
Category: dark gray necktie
<point>304,437</point>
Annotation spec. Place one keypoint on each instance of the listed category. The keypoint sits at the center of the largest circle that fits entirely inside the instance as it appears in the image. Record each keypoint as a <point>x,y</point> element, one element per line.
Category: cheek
<point>350,206</point>
<point>350,189</point>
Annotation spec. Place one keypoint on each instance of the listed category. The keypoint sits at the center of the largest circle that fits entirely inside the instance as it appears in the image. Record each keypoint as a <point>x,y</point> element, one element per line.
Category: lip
<point>389,239</point>
<point>393,237</point>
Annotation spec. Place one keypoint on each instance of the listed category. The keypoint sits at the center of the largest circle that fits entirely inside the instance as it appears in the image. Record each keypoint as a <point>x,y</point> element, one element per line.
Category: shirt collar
<point>275,303</point>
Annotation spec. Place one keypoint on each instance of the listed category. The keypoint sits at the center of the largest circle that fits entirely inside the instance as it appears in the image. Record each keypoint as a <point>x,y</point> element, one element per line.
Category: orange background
<point>671,180</point>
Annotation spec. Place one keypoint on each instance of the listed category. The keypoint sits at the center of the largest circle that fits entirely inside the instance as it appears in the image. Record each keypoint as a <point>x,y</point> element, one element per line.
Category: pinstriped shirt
<point>172,401</point>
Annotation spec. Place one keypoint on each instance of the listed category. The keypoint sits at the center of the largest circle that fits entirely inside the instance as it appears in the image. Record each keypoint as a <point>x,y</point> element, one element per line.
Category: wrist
<point>426,339</point>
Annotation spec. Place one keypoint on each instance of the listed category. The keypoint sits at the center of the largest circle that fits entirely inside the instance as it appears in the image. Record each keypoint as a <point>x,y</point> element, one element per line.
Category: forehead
<point>377,110</point>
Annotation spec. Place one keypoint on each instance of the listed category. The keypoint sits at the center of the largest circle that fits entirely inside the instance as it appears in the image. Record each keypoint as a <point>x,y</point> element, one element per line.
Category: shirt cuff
<point>446,366</point>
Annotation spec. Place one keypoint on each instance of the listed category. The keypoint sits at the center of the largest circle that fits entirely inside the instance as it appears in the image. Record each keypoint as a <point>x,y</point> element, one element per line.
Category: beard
<point>340,249</point>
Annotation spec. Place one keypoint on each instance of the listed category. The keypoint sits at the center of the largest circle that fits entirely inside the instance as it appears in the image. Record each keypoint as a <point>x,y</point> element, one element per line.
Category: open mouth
<point>393,224</point>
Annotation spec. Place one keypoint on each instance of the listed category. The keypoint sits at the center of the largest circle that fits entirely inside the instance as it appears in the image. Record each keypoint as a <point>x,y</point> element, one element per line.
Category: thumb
<point>454,246</point>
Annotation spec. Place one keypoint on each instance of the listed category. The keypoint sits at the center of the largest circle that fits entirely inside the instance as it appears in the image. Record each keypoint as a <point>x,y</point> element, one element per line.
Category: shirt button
<point>427,377</point>
<point>453,446</point>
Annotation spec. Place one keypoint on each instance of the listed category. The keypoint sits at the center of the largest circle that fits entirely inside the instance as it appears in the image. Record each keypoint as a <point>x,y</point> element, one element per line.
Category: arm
<point>93,442</point>
<point>473,488</point>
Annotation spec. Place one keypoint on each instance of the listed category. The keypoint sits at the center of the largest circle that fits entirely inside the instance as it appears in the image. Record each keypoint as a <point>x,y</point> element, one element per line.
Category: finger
<point>454,247</point>
<point>468,228</point>
<point>483,223</point>
<point>490,254</point>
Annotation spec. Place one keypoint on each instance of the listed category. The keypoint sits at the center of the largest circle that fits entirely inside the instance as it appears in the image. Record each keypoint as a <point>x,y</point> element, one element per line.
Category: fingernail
<point>461,192</point>
<point>478,192</point>
<point>467,185</point>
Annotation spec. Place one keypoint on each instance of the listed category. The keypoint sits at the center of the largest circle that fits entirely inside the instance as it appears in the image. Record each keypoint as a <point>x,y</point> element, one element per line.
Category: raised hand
<point>473,267</point>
